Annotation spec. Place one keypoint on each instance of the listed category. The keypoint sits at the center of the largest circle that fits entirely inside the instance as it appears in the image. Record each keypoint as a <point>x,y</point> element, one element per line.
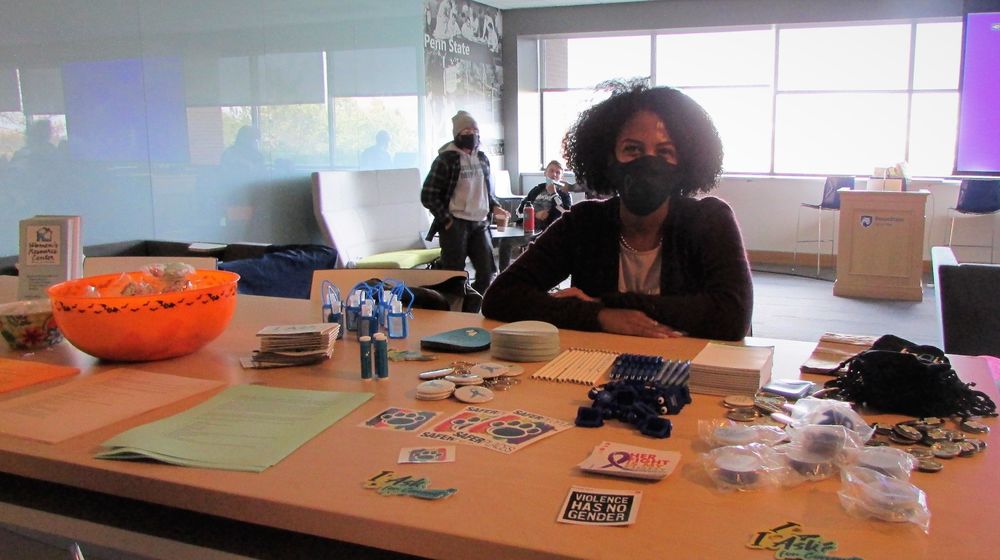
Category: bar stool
<point>830,202</point>
<point>976,198</point>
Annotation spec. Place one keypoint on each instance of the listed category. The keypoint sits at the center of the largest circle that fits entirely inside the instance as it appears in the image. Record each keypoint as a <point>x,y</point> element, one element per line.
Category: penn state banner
<point>463,63</point>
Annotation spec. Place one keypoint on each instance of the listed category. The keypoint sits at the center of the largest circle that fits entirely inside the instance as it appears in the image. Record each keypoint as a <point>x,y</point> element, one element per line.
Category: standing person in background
<point>654,260</point>
<point>459,194</point>
<point>550,199</point>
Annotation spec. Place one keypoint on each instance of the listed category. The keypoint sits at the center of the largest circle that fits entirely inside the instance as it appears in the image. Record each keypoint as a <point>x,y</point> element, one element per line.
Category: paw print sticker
<point>400,419</point>
<point>513,429</point>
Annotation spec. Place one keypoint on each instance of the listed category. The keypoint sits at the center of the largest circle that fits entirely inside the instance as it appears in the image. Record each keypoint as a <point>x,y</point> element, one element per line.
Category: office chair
<point>976,198</point>
<point>830,202</point>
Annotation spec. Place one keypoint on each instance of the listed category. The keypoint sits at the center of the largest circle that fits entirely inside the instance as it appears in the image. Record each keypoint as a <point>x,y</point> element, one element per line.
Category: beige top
<point>639,271</point>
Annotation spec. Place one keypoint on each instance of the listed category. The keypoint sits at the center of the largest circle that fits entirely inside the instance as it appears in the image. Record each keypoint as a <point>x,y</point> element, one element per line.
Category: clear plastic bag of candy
<point>868,493</point>
<point>744,467</point>
<point>718,433</point>
<point>160,278</point>
<point>170,277</point>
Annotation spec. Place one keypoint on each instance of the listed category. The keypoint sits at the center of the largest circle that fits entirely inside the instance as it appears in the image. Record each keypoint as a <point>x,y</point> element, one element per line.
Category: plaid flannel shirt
<point>440,183</point>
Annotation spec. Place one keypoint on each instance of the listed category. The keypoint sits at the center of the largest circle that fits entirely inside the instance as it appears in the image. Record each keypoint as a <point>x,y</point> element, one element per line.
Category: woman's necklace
<point>632,249</point>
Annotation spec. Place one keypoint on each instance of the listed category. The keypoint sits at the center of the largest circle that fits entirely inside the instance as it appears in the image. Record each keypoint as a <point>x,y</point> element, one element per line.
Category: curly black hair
<point>589,146</point>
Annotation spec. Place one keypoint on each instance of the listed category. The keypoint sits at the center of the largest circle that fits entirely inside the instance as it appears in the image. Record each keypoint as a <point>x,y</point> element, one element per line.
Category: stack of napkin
<point>722,369</point>
<point>292,345</point>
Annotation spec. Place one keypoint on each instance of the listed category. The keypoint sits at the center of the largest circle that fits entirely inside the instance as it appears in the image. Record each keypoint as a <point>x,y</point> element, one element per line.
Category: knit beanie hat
<point>461,121</point>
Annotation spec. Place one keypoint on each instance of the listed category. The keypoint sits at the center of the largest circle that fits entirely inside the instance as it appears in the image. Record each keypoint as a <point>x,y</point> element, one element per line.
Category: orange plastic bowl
<point>144,327</point>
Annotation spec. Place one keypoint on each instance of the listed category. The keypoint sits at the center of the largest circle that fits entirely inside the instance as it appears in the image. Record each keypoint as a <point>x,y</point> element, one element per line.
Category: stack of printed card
<point>293,345</point>
<point>525,341</point>
<point>618,459</point>
<point>723,369</point>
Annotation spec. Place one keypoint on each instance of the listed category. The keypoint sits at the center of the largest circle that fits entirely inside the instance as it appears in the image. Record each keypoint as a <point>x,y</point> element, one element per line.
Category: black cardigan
<point>705,285</point>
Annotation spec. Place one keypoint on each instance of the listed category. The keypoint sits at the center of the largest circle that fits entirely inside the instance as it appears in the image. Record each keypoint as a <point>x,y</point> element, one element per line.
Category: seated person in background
<point>652,261</point>
<point>549,199</point>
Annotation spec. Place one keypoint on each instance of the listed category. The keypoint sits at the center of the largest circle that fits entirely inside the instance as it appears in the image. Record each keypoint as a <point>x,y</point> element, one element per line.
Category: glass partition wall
<point>200,120</point>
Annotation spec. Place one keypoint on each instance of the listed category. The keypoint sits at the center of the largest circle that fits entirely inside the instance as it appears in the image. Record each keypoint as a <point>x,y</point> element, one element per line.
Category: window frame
<point>909,90</point>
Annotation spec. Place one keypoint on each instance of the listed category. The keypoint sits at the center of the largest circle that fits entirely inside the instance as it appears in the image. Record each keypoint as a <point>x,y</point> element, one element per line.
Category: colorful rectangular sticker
<point>436,454</point>
<point>399,419</point>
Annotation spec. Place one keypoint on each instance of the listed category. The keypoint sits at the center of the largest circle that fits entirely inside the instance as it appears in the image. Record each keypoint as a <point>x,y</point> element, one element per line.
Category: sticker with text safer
<point>388,483</point>
<point>790,542</point>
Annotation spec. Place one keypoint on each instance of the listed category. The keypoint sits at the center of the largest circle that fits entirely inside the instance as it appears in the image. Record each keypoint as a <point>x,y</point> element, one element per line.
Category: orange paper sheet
<point>15,374</point>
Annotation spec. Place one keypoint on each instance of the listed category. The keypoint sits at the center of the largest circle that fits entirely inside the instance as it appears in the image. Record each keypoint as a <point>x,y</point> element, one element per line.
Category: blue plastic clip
<point>333,306</point>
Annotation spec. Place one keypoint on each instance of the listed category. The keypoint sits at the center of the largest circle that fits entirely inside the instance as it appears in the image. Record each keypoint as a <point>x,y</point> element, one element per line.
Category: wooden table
<point>506,505</point>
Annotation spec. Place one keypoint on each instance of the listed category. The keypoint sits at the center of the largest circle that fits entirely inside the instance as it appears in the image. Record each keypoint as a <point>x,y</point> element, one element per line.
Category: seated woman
<point>652,261</point>
<point>550,199</point>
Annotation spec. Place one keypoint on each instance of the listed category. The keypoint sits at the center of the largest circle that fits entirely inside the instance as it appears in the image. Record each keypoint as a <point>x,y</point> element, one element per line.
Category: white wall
<point>767,209</point>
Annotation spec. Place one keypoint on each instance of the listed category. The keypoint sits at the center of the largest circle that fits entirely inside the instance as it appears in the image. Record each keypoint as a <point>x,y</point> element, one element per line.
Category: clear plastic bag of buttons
<point>718,432</point>
<point>824,412</point>
<point>804,465</point>
<point>833,443</point>
<point>887,460</point>
<point>868,493</point>
<point>744,467</point>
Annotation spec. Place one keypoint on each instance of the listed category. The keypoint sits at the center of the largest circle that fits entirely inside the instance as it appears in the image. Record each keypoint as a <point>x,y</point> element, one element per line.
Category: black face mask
<point>467,141</point>
<point>643,184</point>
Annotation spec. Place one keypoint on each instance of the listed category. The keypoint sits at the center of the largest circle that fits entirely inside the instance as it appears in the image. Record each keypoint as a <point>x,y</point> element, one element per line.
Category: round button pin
<point>464,379</point>
<point>882,429</point>
<point>489,370</point>
<point>945,449</point>
<point>907,431</point>
<point>974,427</point>
<point>738,401</point>
<point>513,370</point>
<point>929,465</point>
<point>920,452</point>
<point>742,414</point>
<point>473,394</point>
<point>967,449</point>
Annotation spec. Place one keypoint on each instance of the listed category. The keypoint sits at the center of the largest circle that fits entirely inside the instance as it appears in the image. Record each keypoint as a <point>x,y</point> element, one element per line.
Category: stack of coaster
<point>722,369</point>
<point>525,341</point>
<point>292,345</point>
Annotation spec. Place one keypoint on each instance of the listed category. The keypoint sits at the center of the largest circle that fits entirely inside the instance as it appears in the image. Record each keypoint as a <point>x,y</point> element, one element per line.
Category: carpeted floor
<point>803,308</point>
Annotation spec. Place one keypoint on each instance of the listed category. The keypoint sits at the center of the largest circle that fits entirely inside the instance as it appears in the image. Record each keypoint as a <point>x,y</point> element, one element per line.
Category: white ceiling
<point>517,4</point>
